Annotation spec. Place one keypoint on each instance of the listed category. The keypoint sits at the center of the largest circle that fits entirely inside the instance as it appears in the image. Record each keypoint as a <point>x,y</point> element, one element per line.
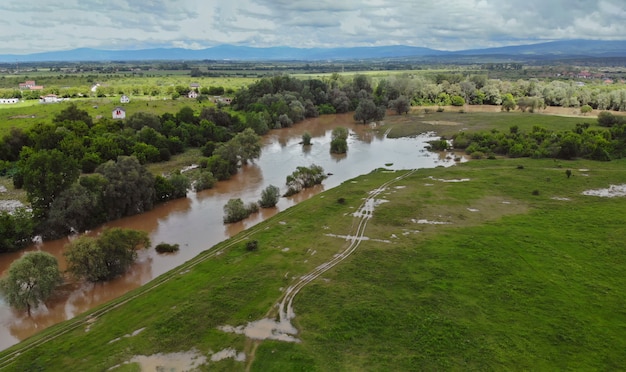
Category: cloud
<point>39,25</point>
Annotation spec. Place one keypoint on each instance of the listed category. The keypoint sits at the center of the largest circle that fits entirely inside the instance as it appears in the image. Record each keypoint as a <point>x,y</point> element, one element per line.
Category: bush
<point>269,196</point>
<point>167,248</point>
<point>457,101</point>
<point>234,211</point>
<point>438,145</point>
<point>477,155</point>
<point>306,138</point>
<point>205,180</point>
<point>585,109</point>
<point>252,245</point>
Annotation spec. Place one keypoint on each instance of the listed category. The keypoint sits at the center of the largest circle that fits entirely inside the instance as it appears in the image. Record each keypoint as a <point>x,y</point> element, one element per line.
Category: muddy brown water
<point>195,222</point>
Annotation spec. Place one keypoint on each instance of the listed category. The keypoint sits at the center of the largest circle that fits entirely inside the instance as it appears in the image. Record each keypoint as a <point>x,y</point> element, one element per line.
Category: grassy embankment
<point>514,280</point>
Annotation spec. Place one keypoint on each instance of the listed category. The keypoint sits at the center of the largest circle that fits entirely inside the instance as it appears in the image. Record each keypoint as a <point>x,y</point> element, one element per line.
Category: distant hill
<point>560,49</point>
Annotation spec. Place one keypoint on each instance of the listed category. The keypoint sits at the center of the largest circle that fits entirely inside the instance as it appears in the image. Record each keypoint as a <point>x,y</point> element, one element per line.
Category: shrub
<point>167,248</point>
<point>269,196</point>
<point>477,155</point>
<point>535,192</point>
<point>252,245</point>
<point>306,138</point>
<point>234,211</point>
<point>438,145</point>
<point>205,180</point>
<point>585,109</point>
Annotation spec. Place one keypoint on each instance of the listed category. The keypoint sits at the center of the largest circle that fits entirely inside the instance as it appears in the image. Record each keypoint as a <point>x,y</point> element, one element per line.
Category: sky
<point>33,26</point>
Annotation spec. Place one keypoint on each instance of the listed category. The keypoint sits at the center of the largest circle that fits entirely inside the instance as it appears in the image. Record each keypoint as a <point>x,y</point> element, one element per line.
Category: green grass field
<point>516,270</point>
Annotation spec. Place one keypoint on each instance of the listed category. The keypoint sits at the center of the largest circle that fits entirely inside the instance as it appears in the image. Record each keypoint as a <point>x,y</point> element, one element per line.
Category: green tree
<point>269,196</point>
<point>339,141</point>
<point>45,174</point>
<point>140,119</point>
<point>204,180</point>
<point>129,189</point>
<point>367,111</point>
<point>72,113</point>
<point>16,229</point>
<point>76,209</point>
<point>306,139</point>
<point>457,100</point>
<point>508,102</point>
<point>106,256</point>
<point>585,109</point>
<point>304,177</point>
<point>401,105</point>
<point>31,280</point>
<point>235,210</point>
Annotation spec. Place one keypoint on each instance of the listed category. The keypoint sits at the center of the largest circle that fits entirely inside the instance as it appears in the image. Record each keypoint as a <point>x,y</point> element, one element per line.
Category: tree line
<point>580,142</point>
<point>78,174</point>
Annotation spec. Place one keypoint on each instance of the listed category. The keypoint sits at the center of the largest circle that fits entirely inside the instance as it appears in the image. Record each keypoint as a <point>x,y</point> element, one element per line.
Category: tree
<point>16,229</point>
<point>269,196</point>
<point>106,256</point>
<point>339,141</point>
<point>508,102</point>
<point>140,119</point>
<point>31,280</point>
<point>45,174</point>
<point>72,114</point>
<point>401,105</point>
<point>306,139</point>
<point>368,111</point>
<point>129,189</point>
<point>457,100</point>
<point>235,210</point>
<point>585,109</point>
<point>304,177</point>
<point>76,209</point>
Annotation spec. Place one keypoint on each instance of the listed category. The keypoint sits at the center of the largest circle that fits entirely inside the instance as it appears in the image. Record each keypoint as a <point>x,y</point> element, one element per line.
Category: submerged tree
<point>304,177</point>
<point>339,141</point>
<point>269,196</point>
<point>106,256</point>
<point>31,280</point>
<point>235,210</point>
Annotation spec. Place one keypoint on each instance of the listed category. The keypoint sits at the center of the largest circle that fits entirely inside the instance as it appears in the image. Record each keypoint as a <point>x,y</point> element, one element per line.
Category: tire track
<point>285,308</point>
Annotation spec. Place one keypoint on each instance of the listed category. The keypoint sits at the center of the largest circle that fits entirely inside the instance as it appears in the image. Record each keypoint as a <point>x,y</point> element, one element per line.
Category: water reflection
<point>195,222</point>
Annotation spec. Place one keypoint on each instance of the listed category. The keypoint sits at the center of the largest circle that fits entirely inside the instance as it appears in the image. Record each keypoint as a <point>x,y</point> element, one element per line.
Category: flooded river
<point>195,222</point>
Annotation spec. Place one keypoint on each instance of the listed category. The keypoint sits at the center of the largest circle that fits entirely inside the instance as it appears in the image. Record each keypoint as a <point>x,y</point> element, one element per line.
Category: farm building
<point>124,99</point>
<point>7,101</point>
<point>192,94</point>
<point>50,98</point>
<point>119,113</point>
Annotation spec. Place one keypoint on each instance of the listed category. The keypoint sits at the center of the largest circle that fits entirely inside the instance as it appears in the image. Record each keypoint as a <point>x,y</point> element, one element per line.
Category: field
<point>492,264</point>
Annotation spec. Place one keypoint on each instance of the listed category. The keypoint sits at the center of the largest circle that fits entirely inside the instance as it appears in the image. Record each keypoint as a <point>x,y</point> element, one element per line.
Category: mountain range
<point>554,50</point>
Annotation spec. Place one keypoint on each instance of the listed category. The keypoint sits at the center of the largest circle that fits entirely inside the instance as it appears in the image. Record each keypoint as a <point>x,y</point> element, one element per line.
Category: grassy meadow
<point>488,265</point>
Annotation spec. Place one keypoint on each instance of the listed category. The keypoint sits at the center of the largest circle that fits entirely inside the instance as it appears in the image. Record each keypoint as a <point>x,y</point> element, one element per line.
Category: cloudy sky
<point>30,26</point>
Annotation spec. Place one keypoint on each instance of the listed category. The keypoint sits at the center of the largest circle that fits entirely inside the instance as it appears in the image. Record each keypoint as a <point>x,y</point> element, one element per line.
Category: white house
<point>124,99</point>
<point>49,98</point>
<point>6,101</point>
<point>192,94</point>
<point>119,113</point>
